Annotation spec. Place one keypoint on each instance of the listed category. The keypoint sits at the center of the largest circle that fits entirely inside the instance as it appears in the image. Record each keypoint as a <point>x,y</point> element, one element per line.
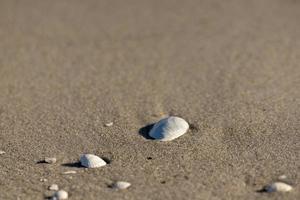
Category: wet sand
<point>230,68</point>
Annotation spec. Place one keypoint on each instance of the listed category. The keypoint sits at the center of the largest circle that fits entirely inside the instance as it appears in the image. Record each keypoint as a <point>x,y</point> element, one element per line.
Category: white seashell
<point>53,187</point>
<point>60,195</point>
<point>121,185</point>
<point>2,152</point>
<point>69,172</point>
<point>50,160</point>
<point>169,128</point>
<point>109,124</point>
<point>43,180</point>
<point>278,187</point>
<point>91,161</point>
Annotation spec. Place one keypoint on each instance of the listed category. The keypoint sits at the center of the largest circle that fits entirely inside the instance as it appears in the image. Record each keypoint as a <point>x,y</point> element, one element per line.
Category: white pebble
<point>53,187</point>
<point>278,187</point>
<point>109,124</point>
<point>50,160</point>
<point>282,177</point>
<point>60,195</point>
<point>69,172</point>
<point>169,128</point>
<point>91,161</point>
<point>121,185</point>
<point>43,180</point>
<point>2,152</point>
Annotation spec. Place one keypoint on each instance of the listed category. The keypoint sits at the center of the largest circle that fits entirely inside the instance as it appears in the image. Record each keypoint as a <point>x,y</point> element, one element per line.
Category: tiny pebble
<point>121,185</point>
<point>69,172</point>
<point>60,195</point>
<point>43,180</point>
<point>278,187</point>
<point>109,124</point>
<point>282,177</point>
<point>53,187</point>
<point>2,152</point>
<point>50,160</point>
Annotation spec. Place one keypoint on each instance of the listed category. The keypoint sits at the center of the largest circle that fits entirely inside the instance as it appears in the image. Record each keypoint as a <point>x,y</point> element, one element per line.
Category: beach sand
<point>230,68</point>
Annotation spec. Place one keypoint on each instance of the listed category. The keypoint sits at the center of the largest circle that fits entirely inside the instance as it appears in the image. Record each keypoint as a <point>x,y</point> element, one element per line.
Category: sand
<point>230,68</point>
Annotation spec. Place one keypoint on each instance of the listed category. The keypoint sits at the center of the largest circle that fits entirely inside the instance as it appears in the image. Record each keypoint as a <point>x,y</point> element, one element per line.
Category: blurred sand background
<point>230,68</point>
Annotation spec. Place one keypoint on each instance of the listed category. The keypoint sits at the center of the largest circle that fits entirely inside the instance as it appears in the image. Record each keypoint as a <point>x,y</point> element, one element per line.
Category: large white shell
<point>121,185</point>
<point>278,187</point>
<point>91,161</point>
<point>60,195</point>
<point>169,128</point>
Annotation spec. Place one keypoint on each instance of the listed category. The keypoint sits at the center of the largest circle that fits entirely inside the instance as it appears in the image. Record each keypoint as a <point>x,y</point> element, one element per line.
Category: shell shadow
<point>193,127</point>
<point>41,162</point>
<point>110,185</point>
<point>263,190</point>
<point>107,160</point>
<point>144,131</point>
<point>74,164</point>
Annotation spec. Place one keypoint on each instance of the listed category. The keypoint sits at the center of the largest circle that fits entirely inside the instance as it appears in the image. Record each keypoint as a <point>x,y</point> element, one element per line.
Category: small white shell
<point>60,195</point>
<point>121,185</point>
<point>53,187</point>
<point>109,124</point>
<point>278,187</point>
<point>50,160</point>
<point>91,161</point>
<point>43,180</point>
<point>169,128</point>
<point>2,152</point>
<point>69,172</point>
